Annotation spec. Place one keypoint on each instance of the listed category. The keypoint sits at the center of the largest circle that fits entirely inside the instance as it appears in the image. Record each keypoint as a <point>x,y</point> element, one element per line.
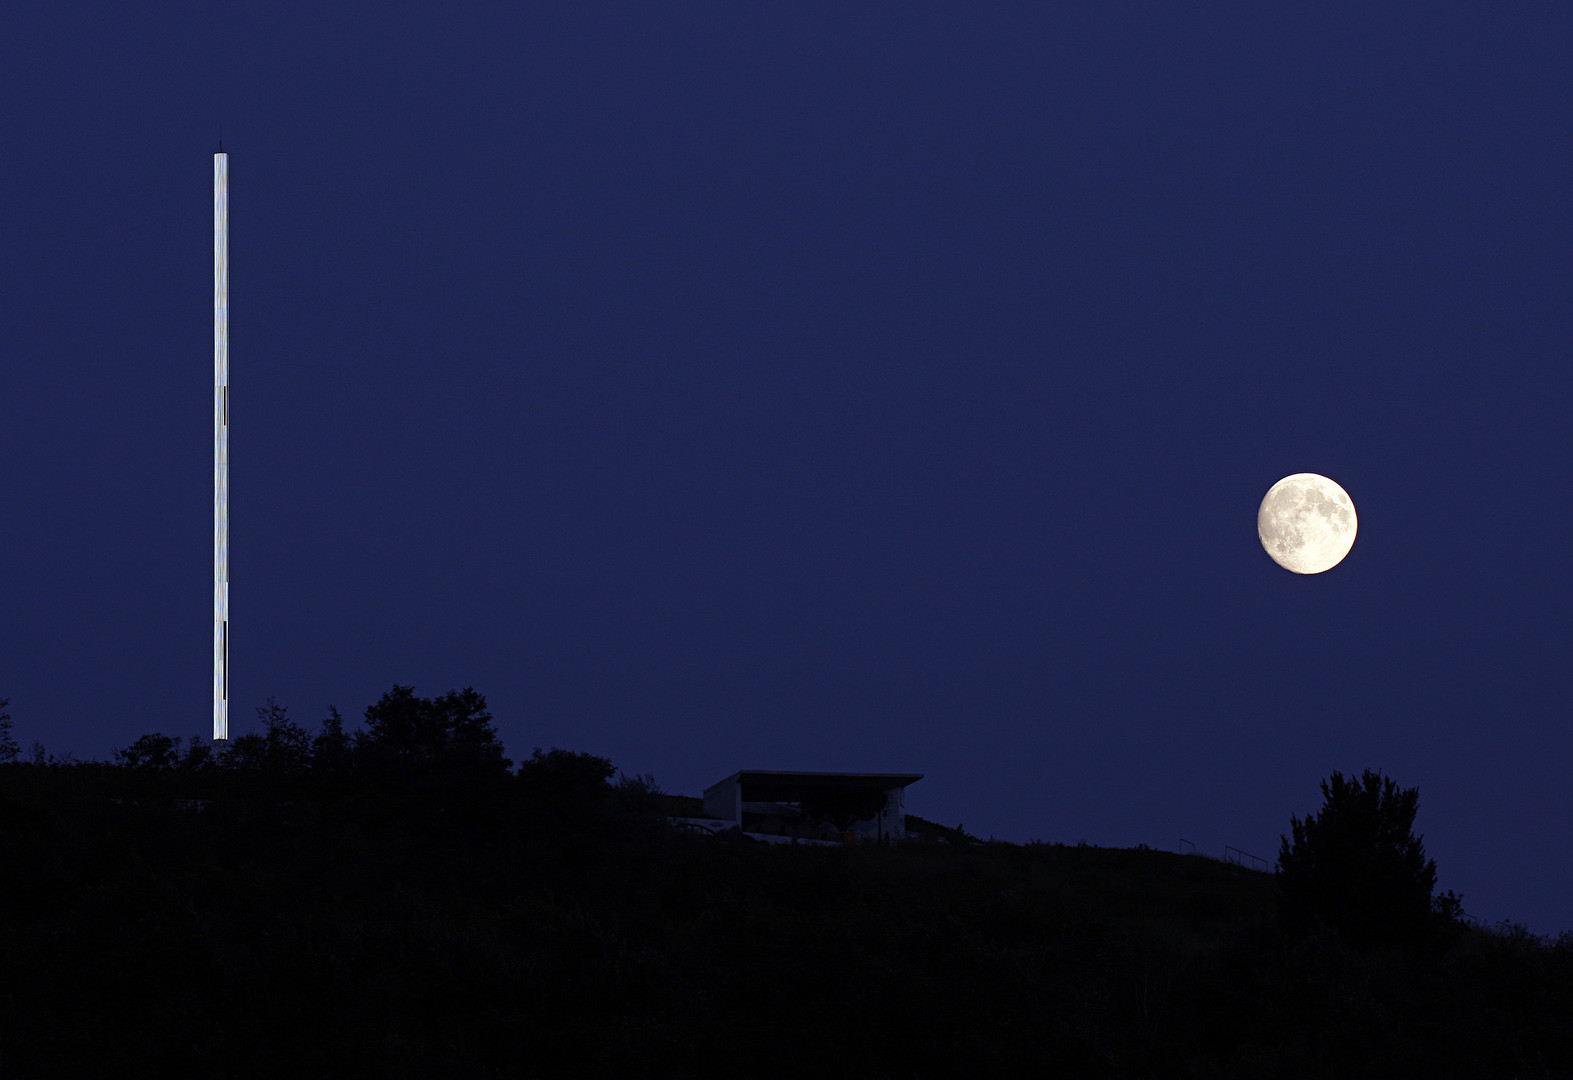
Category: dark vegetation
<point>1358,869</point>
<point>403,902</point>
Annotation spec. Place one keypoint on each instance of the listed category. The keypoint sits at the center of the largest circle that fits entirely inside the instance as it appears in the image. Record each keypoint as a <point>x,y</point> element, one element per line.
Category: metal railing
<point>1243,858</point>
<point>1231,854</point>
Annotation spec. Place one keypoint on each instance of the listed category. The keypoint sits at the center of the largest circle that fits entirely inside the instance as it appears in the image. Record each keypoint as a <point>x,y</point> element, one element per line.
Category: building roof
<point>761,785</point>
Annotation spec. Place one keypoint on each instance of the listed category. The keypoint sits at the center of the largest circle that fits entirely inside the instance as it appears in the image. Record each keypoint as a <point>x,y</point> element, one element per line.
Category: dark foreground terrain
<point>549,923</point>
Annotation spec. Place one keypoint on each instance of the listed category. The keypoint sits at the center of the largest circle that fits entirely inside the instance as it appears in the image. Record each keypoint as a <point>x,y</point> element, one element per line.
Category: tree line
<point>453,730</point>
<point>1355,868</point>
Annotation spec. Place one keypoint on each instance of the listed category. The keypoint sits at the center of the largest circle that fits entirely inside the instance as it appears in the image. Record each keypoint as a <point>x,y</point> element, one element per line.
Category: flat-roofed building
<point>812,806</point>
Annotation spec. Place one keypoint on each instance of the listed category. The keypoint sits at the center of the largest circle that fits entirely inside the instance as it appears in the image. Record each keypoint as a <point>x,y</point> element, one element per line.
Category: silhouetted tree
<point>10,749</point>
<point>1450,905</point>
<point>244,753</point>
<point>396,725</point>
<point>199,754</point>
<point>566,782</point>
<point>453,730</point>
<point>287,745</point>
<point>152,753</point>
<point>471,735</point>
<point>330,750</point>
<point>1357,866</point>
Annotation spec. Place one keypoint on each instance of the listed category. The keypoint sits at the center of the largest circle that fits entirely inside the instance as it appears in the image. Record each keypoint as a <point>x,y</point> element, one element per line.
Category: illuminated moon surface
<point>1307,523</point>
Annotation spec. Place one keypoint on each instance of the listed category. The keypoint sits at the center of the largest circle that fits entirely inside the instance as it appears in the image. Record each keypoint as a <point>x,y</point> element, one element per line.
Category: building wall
<point>892,821</point>
<point>724,801</point>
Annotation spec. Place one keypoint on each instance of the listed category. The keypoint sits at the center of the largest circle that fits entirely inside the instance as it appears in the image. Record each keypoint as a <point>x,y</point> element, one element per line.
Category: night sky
<point>835,386</point>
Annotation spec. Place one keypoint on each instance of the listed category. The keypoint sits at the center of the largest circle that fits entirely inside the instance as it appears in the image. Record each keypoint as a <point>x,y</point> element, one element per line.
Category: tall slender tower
<point>220,445</point>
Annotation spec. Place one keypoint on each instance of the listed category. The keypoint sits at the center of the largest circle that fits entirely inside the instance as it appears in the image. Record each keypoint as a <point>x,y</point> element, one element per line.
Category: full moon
<point>1307,523</point>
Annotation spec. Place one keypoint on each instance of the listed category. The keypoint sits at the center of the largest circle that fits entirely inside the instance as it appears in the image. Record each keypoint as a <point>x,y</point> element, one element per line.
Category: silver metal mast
<point>220,445</point>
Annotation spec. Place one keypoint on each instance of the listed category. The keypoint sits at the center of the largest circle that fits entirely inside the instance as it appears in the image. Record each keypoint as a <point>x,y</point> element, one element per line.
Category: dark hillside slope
<point>471,929</point>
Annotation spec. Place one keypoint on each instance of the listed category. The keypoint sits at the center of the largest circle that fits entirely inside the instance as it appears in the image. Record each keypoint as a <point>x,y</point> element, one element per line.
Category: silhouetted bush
<point>566,783</point>
<point>1357,866</point>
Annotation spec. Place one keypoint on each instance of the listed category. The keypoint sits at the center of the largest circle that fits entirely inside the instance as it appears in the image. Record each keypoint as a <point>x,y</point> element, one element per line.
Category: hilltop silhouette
<point>404,901</point>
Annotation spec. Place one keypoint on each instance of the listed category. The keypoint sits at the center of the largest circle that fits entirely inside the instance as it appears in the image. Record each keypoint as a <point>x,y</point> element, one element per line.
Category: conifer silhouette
<point>1357,866</point>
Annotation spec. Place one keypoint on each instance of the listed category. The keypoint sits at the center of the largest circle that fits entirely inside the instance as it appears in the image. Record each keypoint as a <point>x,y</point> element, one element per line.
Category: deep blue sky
<point>833,386</point>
